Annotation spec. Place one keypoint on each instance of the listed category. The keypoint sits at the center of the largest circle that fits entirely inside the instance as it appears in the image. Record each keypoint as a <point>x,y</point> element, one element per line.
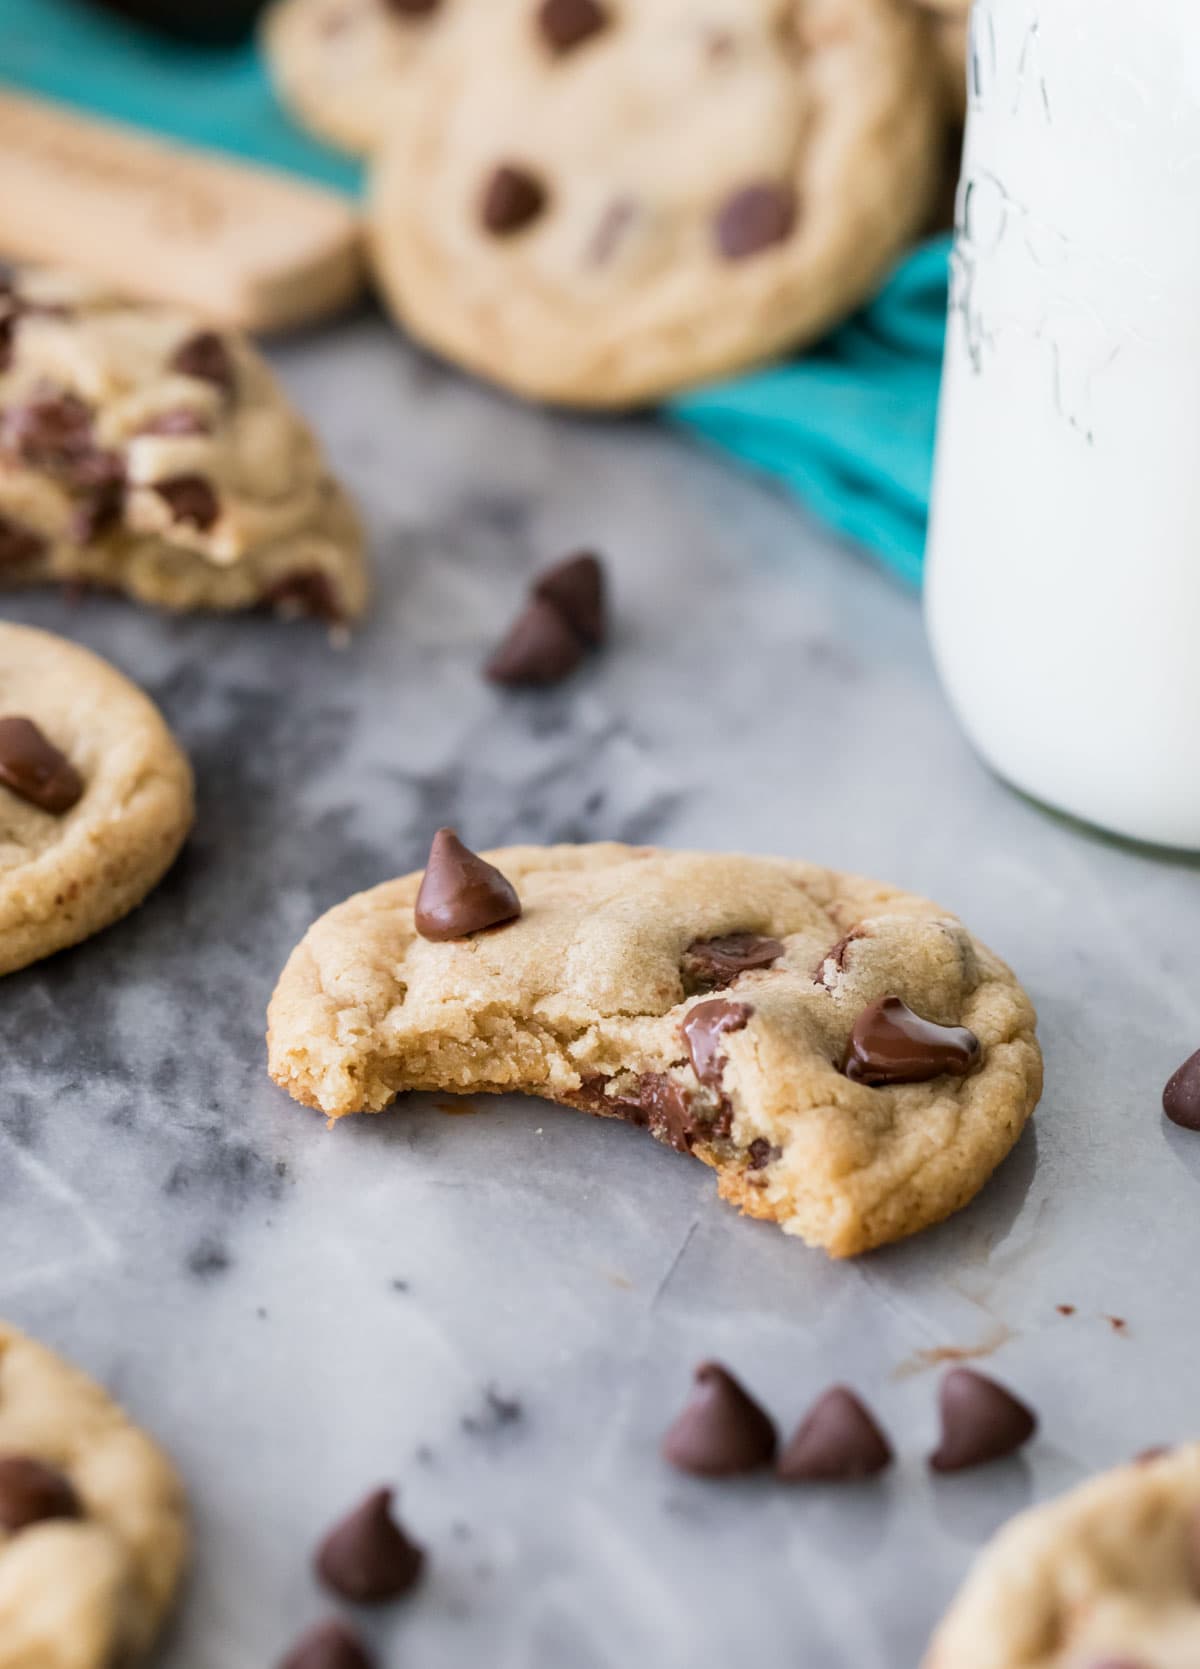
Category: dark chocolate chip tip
<point>328,1645</point>
<point>891,1045</point>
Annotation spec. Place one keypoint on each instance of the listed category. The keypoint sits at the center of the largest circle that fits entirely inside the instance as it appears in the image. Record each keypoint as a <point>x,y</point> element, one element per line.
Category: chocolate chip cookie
<point>95,795</point>
<point>1106,1577</point>
<point>93,1534</point>
<point>850,1061</point>
<point>344,66</point>
<point>143,452</point>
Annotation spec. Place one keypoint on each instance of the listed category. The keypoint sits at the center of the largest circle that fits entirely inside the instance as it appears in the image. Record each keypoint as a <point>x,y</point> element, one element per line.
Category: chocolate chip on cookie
<point>981,1421</point>
<point>721,1430</point>
<point>367,1557</point>
<point>708,964</point>
<point>460,893</point>
<point>191,499</point>
<point>540,648</point>
<point>18,543</point>
<point>576,587</point>
<point>754,218</point>
<point>1181,1097</point>
<point>328,1645</point>
<point>96,510</point>
<point>34,769</point>
<point>892,1045</point>
<point>703,1029</point>
<point>412,8</point>
<point>566,24</point>
<point>205,356</point>
<point>838,1441</point>
<point>31,1492</point>
<point>513,199</point>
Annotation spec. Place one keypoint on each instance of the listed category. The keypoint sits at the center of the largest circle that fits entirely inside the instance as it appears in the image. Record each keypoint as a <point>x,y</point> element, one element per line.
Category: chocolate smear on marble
<point>328,1645</point>
<point>367,1557</point>
<point>32,1492</point>
<point>981,1421</point>
<point>754,218</point>
<point>461,893</point>
<point>35,770</point>
<point>892,1045</point>
<point>721,1430</point>
<point>838,1441</point>
<point>566,24</point>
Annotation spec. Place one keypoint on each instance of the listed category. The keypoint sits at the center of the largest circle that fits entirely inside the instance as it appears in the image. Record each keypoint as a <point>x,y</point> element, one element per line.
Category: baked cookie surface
<point>1107,1575</point>
<point>107,816</point>
<point>602,214</point>
<point>93,1534</point>
<point>142,452</point>
<point>713,999</point>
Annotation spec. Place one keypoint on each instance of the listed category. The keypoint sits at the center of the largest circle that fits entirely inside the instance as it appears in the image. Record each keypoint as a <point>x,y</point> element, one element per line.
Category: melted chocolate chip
<point>834,959</point>
<point>192,500</point>
<point>35,770</point>
<point>575,586</point>
<point>1181,1098</point>
<point>981,1421</point>
<point>206,357</point>
<point>892,1045</point>
<point>330,1645</point>
<point>513,199</point>
<point>31,1492</point>
<point>18,543</point>
<point>838,1441</point>
<point>566,24</point>
<point>307,592</point>
<point>368,1557</point>
<point>460,893</point>
<point>703,1029</point>
<point>754,218</point>
<point>539,649</point>
<point>721,1430</point>
<point>180,420</point>
<point>711,963</point>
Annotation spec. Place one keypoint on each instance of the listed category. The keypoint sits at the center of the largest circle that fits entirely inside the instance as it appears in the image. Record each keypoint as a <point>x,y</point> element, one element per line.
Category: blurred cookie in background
<point>343,66</point>
<point>597,202</point>
<point>144,452</point>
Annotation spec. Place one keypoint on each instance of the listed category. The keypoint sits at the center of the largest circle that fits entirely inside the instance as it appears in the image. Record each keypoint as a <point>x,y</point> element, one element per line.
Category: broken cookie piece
<point>676,991</point>
<point>141,452</point>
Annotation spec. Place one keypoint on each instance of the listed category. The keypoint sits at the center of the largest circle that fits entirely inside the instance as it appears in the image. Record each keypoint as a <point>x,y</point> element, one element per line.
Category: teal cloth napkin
<point>849,427</point>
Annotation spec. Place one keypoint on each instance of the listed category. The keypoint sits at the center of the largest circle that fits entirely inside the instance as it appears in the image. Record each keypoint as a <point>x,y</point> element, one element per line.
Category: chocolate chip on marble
<point>566,24</point>
<point>721,1429</point>
<point>981,1421</point>
<point>206,357</point>
<point>711,963</point>
<point>18,543</point>
<point>460,893</point>
<point>329,1645</point>
<point>31,1492</point>
<point>513,199</point>
<point>1181,1098</point>
<point>34,769</point>
<point>539,649</point>
<point>754,218</point>
<point>179,420</point>
<point>838,1441</point>
<point>367,1557</point>
<point>892,1045</point>
<point>191,499</point>
<point>576,588</point>
<point>703,1030</point>
<point>308,592</point>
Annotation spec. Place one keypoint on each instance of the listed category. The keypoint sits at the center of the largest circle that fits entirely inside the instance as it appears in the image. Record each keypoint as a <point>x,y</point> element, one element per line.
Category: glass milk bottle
<point>1063,585</point>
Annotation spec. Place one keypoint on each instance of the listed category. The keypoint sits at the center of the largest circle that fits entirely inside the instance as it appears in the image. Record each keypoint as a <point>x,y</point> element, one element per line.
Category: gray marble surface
<point>500,1313</point>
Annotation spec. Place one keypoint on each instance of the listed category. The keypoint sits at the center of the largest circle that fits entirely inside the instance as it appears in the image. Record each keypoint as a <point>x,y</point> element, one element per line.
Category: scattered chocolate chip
<point>96,510</point>
<point>1181,1098</point>
<point>703,1030</point>
<point>892,1045</point>
<point>837,1441</point>
<point>368,1557</point>
<point>513,198</point>
<point>834,959</point>
<point>575,587</point>
<point>721,1429</point>
<point>307,592</point>
<point>539,649</point>
<point>460,893</point>
<point>206,357</point>
<point>31,1492</point>
<point>566,24</point>
<point>760,1154</point>
<point>754,218</point>
<point>191,499</point>
<point>981,1421</point>
<point>412,8</point>
<point>711,963</point>
<point>179,420</point>
<point>330,1645</point>
<point>18,543</point>
<point>35,770</point>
